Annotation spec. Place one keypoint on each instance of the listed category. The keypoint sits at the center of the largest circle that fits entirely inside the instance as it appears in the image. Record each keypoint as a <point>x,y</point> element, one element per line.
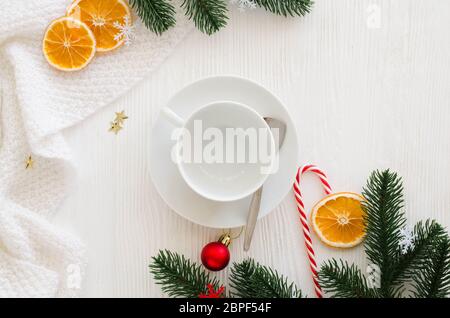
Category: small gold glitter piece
<point>115,127</point>
<point>29,162</point>
<point>120,117</point>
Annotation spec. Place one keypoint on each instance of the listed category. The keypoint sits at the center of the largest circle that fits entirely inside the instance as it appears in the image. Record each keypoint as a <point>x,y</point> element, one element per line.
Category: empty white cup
<point>224,150</point>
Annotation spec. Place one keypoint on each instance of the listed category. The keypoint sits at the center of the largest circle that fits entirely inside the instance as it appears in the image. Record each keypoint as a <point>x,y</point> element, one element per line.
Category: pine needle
<point>252,280</point>
<point>342,280</point>
<point>384,219</point>
<point>209,16</point>
<point>157,15</point>
<point>433,277</point>
<point>286,7</point>
<point>426,236</point>
<point>179,276</point>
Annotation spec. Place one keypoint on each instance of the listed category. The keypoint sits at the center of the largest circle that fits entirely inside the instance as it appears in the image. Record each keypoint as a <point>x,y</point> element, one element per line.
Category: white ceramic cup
<point>224,150</point>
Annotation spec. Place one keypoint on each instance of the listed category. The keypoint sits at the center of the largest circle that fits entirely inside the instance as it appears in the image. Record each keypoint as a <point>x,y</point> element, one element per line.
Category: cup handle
<point>172,117</point>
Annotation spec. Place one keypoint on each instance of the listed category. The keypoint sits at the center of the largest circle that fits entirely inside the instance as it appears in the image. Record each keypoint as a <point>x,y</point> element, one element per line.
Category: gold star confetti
<point>29,162</point>
<point>120,117</point>
<point>115,127</point>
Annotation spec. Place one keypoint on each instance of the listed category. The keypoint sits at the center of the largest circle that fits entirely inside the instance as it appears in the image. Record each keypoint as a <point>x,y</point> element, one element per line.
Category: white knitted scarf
<point>36,103</point>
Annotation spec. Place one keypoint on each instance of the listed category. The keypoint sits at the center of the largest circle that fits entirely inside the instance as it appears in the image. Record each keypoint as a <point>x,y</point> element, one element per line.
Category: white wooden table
<point>368,83</point>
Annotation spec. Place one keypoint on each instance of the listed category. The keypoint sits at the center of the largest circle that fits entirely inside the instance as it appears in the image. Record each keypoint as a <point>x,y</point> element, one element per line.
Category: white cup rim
<point>248,191</point>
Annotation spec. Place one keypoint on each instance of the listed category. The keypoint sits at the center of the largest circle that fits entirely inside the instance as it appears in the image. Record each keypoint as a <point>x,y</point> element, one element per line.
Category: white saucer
<point>169,183</point>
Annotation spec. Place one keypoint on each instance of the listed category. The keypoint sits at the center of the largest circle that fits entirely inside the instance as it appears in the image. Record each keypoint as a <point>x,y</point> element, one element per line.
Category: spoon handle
<point>252,217</point>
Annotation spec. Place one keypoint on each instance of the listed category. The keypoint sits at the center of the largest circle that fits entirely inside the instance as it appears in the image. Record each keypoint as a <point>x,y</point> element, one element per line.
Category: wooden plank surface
<point>368,83</point>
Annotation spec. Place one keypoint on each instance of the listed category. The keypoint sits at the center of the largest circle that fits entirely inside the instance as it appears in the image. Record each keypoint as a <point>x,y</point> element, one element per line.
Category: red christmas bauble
<point>215,255</point>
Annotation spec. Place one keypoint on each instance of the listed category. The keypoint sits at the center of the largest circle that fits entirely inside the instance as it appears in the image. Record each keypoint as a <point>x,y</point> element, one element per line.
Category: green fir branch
<point>426,264</point>
<point>342,280</point>
<point>209,16</point>
<point>157,15</point>
<point>179,276</point>
<point>249,279</point>
<point>286,7</point>
<point>433,274</point>
<point>384,220</point>
<point>426,236</point>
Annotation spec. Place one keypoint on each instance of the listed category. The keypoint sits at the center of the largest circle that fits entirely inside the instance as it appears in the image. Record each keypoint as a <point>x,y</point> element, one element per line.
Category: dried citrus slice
<point>100,16</point>
<point>338,219</point>
<point>68,44</point>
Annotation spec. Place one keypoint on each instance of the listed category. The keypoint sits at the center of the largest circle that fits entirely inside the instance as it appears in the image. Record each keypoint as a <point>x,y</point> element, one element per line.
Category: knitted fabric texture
<point>36,103</point>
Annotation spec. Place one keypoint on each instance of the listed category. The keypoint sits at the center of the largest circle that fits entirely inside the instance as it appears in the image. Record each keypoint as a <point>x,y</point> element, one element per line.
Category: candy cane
<point>304,219</point>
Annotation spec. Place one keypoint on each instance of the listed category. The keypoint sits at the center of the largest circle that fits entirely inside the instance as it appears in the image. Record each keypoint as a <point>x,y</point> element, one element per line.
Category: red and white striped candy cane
<point>301,209</point>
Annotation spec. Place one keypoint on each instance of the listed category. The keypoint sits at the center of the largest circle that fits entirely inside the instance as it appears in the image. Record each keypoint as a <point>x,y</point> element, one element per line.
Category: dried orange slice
<point>338,219</point>
<point>100,16</point>
<point>68,45</point>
